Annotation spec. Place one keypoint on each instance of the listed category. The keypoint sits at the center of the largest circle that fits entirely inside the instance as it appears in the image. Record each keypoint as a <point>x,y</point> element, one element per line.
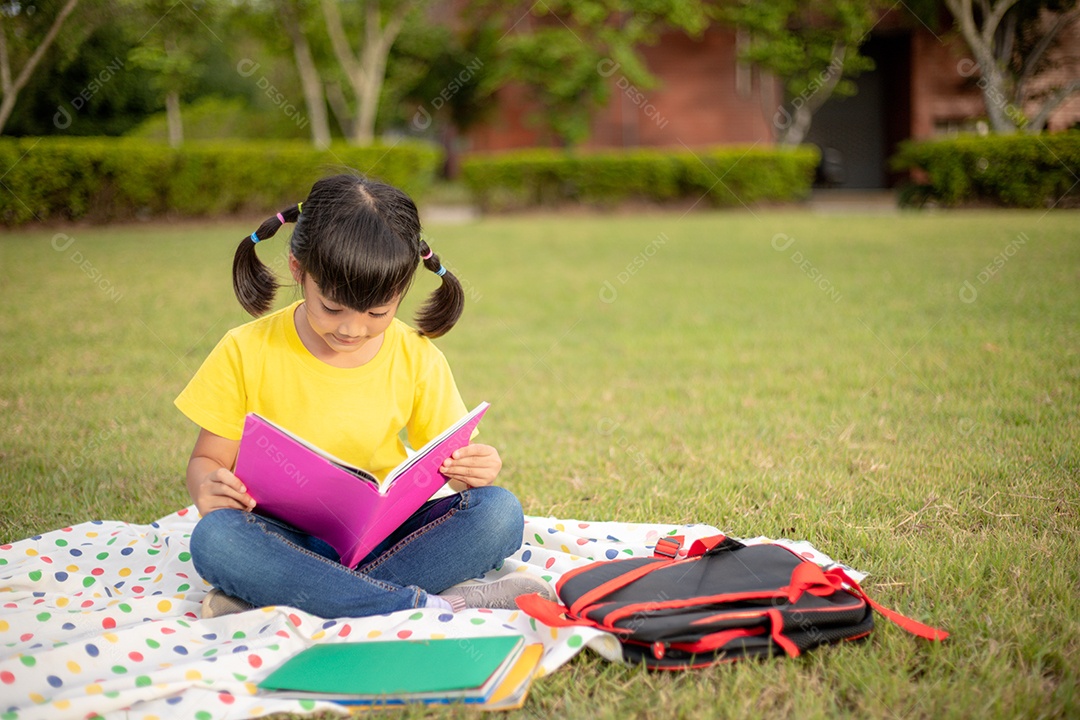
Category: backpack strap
<point>550,613</point>
<point>712,545</point>
<point>776,627</point>
<point>809,577</point>
<point>912,626</point>
<point>668,547</point>
<point>616,583</point>
<point>715,641</point>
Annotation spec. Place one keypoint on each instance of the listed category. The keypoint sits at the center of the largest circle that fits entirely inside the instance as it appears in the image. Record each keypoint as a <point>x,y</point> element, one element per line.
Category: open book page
<point>359,472</point>
<point>455,436</point>
<point>422,454</point>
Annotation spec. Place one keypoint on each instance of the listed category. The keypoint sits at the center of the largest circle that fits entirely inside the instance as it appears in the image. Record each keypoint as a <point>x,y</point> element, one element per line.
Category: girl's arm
<point>210,481</point>
<point>472,466</point>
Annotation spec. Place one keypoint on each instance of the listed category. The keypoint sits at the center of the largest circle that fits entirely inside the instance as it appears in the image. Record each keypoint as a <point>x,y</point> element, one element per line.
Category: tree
<point>292,20</point>
<point>285,29</point>
<point>561,75</point>
<point>20,17</point>
<point>1011,41</point>
<point>439,82</point>
<point>87,90</point>
<point>172,47</point>
<point>565,51</point>
<point>365,72</point>
<point>813,45</point>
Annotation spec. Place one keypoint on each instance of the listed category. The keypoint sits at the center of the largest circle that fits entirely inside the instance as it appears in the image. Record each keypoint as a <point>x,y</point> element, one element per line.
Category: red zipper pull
<point>658,649</point>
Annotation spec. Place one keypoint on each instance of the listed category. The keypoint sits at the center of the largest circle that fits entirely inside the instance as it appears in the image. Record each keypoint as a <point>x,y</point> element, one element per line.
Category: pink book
<point>292,480</point>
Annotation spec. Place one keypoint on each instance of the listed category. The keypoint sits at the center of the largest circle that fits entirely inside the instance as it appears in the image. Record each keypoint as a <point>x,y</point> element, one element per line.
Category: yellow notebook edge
<point>514,689</point>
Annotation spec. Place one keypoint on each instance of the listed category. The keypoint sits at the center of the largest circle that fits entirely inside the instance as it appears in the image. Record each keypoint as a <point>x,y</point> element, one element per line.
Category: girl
<point>337,368</point>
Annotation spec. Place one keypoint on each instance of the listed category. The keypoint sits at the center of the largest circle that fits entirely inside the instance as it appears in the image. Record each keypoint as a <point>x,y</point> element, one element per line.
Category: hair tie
<point>299,207</point>
<point>441,271</point>
<point>255,237</point>
<point>430,252</point>
<point>281,218</point>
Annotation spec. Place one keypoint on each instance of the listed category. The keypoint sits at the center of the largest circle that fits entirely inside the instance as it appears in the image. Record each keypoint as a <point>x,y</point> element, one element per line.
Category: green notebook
<point>394,671</point>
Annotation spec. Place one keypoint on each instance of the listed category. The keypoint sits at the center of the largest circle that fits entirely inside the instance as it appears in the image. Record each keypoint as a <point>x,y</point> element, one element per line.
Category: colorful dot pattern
<point>102,619</point>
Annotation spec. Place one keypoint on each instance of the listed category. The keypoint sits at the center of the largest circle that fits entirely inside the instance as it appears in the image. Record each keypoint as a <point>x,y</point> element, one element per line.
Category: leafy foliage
<point>108,179</point>
<point>1011,170</point>
<point>560,72</point>
<point>215,118</point>
<point>88,89</point>
<point>28,32</point>
<point>438,75</point>
<point>813,46</point>
<point>555,49</point>
<point>725,176</point>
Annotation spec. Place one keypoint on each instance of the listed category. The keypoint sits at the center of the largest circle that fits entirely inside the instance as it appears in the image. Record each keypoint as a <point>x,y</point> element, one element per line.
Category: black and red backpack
<point>722,602</point>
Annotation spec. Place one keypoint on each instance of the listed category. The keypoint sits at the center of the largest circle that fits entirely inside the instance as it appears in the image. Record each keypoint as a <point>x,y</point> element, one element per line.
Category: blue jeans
<point>447,541</point>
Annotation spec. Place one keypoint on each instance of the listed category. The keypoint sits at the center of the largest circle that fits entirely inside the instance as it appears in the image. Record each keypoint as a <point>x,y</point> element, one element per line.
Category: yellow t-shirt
<point>354,413</point>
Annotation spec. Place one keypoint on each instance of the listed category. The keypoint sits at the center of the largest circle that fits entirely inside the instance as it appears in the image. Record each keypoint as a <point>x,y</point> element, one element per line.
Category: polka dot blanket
<point>102,619</point>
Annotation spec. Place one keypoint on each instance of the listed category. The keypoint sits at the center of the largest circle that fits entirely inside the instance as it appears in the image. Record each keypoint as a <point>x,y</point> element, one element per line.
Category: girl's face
<point>342,329</point>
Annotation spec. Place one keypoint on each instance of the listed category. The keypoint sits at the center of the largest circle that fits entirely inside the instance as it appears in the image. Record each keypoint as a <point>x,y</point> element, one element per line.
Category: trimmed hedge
<point>1031,171</point>
<point>102,179</point>
<point>725,176</point>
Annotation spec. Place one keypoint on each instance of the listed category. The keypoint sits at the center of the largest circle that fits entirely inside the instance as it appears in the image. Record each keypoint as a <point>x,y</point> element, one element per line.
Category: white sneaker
<point>497,595</point>
<point>216,603</point>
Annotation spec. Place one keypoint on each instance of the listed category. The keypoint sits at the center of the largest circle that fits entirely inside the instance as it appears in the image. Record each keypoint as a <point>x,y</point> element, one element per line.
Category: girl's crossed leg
<point>449,540</point>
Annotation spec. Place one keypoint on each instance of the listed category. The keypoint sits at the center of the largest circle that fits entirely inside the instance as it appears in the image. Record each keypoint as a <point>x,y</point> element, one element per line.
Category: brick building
<point>924,85</point>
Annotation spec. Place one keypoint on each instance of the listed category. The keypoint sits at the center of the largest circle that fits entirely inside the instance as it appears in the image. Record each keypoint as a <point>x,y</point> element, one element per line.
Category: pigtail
<point>444,306</point>
<point>255,284</point>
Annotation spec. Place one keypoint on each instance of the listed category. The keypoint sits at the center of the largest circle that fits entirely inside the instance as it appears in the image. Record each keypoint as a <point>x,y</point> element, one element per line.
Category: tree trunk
<point>366,74</point>
<point>6,106</point>
<point>1052,103</point>
<point>364,122</point>
<point>1031,63</point>
<point>313,94</point>
<point>314,99</point>
<point>992,82</point>
<point>367,98</point>
<point>11,88</point>
<point>340,107</point>
<point>173,118</point>
<point>796,130</point>
<point>379,39</point>
<point>448,138</point>
<point>994,95</point>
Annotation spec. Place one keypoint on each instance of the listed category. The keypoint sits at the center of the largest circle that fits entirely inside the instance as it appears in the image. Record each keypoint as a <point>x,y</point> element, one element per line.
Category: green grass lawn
<point>900,390</point>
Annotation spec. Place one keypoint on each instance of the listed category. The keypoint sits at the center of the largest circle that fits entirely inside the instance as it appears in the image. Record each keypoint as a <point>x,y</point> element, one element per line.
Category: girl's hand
<point>472,465</point>
<point>221,489</point>
<point>210,483</point>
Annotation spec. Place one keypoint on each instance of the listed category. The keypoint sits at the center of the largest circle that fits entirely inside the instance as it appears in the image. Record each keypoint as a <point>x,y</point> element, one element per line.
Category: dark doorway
<point>858,134</point>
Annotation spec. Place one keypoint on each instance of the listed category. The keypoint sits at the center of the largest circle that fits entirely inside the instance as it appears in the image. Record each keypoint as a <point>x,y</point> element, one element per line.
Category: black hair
<point>359,240</point>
